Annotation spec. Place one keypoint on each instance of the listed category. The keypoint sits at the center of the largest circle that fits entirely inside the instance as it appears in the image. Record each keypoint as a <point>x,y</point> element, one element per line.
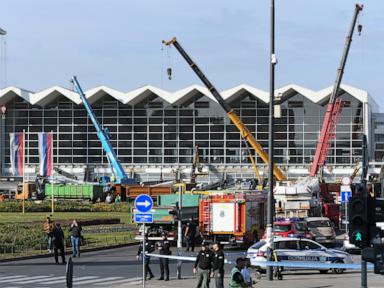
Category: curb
<point>68,252</point>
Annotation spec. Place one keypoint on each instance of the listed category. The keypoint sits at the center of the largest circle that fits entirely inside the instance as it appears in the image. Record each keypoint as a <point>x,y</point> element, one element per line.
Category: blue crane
<point>120,176</point>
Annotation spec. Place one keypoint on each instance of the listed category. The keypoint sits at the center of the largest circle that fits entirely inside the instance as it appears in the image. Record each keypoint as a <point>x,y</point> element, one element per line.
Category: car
<point>297,249</point>
<point>290,228</point>
<point>323,230</point>
<point>350,247</point>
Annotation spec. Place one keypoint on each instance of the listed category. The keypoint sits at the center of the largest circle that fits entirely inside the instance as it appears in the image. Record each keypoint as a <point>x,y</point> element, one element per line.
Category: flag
<point>45,153</point>
<point>17,153</point>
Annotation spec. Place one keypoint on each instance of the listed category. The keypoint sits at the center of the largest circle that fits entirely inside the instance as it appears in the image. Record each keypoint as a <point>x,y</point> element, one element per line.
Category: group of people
<point>210,264</point>
<point>56,240</point>
<point>164,248</point>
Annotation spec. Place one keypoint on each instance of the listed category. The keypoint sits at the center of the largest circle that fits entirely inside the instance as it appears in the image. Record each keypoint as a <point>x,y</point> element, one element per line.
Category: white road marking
<point>122,281</point>
<point>41,280</point>
<point>63,279</point>
<point>14,276</point>
<point>107,279</point>
<point>20,280</point>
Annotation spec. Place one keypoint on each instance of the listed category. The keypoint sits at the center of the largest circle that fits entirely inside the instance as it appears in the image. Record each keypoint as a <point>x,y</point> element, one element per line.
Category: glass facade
<point>153,132</point>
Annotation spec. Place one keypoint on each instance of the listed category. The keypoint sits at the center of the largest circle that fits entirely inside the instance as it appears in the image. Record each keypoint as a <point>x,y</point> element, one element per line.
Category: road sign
<point>143,203</point>
<point>345,195</point>
<point>143,218</point>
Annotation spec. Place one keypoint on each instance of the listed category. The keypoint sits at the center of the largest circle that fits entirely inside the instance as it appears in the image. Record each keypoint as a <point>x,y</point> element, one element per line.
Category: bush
<point>63,206</point>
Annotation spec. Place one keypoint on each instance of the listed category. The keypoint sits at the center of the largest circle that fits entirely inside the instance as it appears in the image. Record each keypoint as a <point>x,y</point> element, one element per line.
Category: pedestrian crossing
<point>48,281</point>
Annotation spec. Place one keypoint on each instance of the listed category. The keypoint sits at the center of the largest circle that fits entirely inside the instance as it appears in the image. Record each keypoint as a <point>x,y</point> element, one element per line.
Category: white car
<point>298,249</point>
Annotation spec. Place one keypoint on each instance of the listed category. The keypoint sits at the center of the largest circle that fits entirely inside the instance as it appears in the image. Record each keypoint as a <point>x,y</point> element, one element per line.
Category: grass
<point>11,217</point>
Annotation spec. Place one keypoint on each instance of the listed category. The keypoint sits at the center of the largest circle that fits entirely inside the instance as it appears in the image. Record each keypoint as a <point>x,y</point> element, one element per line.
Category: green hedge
<point>63,206</point>
<point>21,235</point>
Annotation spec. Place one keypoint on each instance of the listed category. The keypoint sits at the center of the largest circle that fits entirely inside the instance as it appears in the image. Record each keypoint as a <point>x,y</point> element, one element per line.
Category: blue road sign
<point>143,203</point>
<point>143,217</point>
<point>345,195</point>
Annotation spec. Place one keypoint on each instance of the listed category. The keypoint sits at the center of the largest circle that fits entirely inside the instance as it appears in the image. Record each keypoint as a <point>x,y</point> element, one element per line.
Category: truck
<point>164,219</point>
<point>75,191</point>
<point>235,219</point>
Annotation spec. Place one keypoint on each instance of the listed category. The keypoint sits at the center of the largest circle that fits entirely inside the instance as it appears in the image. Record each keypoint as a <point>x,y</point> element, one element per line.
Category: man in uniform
<point>237,279</point>
<point>218,265</point>
<point>203,266</point>
<point>190,234</point>
<point>164,249</point>
<point>149,247</point>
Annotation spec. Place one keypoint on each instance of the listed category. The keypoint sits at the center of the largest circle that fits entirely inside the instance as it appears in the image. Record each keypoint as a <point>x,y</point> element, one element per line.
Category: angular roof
<point>132,97</point>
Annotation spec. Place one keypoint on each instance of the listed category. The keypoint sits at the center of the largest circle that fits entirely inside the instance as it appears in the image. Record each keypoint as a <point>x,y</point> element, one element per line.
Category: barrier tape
<point>289,264</point>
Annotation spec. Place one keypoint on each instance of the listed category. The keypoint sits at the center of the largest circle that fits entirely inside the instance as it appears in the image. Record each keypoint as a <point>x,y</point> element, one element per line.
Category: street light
<point>3,32</point>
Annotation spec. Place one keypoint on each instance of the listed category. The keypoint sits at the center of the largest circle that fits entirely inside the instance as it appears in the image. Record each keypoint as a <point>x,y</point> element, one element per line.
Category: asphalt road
<point>119,268</point>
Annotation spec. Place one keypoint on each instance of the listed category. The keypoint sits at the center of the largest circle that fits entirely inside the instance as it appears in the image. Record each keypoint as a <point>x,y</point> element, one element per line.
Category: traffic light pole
<point>179,232</point>
<point>364,184</point>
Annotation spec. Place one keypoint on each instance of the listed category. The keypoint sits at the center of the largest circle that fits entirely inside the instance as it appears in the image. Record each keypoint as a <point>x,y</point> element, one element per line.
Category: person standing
<point>58,243</point>
<point>48,230</point>
<point>149,247</point>
<point>190,234</point>
<point>218,265</point>
<point>237,279</point>
<point>75,230</point>
<point>203,266</point>
<point>163,247</point>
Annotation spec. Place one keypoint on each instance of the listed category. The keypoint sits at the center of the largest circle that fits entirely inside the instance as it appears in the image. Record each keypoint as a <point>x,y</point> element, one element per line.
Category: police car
<point>298,249</point>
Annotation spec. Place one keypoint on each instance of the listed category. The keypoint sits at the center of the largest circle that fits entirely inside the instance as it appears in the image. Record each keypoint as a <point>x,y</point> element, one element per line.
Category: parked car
<point>323,230</point>
<point>297,249</point>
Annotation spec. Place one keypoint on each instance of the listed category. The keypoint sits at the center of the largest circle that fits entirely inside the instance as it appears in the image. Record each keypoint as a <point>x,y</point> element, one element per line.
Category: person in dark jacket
<point>203,266</point>
<point>58,243</point>
<point>149,247</point>
<point>163,247</point>
<point>218,265</point>
<point>190,235</point>
<point>75,230</point>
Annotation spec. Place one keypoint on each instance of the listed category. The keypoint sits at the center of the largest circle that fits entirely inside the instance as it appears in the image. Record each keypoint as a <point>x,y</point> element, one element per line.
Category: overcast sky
<point>118,43</point>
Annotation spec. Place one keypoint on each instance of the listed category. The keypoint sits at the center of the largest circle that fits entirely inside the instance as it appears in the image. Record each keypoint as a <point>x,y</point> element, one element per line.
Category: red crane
<point>335,106</point>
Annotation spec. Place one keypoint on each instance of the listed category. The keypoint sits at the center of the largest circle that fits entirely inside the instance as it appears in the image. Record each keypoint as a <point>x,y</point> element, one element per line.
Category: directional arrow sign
<point>143,203</point>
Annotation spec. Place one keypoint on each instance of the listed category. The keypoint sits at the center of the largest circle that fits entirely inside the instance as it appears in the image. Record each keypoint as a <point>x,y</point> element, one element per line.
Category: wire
<point>162,67</point>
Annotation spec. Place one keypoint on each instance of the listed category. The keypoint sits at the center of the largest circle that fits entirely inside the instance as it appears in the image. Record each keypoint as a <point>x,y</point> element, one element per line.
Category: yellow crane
<point>245,133</point>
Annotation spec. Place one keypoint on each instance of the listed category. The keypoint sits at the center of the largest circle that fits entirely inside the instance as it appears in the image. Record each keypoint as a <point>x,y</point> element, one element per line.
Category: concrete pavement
<point>119,268</point>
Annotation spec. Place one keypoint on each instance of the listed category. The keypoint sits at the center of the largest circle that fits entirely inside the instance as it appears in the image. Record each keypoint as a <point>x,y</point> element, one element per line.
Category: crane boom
<point>245,133</point>
<point>335,105</point>
<point>120,175</point>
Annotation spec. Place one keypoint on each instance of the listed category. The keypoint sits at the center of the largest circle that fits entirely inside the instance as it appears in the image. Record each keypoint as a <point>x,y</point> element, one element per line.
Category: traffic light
<point>175,211</point>
<point>358,220</point>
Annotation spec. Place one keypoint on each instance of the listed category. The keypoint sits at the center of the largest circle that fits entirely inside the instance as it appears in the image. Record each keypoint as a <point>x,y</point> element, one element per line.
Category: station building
<point>154,132</point>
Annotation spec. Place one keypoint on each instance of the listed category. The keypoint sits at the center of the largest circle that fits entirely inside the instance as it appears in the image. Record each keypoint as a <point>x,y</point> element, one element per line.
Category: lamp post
<point>3,110</point>
<point>3,32</point>
<point>271,201</point>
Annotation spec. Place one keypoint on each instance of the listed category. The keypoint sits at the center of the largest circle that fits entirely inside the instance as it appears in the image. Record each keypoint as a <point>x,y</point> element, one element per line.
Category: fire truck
<point>233,219</point>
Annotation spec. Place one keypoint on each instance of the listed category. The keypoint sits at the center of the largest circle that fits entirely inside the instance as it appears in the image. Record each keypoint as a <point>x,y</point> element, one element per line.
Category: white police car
<point>297,249</point>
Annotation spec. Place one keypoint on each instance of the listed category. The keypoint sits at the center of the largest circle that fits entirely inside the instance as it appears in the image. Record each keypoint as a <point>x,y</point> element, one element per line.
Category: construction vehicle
<point>165,216</point>
<point>234,218</point>
<point>120,177</point>
<point>324,202</point>
<point>335,105</point>
<point>245,133</point>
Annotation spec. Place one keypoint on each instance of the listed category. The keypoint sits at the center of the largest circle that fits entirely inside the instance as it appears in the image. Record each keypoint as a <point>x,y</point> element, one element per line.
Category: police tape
<point>288,264</point>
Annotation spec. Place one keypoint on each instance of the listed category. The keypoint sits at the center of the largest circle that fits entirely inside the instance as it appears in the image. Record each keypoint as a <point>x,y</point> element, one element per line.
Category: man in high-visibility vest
<point>237,279</point>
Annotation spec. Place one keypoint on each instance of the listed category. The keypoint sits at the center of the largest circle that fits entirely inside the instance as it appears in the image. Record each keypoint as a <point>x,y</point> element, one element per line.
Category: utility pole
<point>3,110</point>
<point>271,201</point>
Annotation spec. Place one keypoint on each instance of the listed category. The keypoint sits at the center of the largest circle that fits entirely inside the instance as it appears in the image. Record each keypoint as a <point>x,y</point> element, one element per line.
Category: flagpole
<point>23,170</point>
<point>52,197</point>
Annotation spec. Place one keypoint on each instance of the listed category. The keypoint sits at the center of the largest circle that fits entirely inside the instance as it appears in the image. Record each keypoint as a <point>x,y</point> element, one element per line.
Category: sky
<point>118,43</point>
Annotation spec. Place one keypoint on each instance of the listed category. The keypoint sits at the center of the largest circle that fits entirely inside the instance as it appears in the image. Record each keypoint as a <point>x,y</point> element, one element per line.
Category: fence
<point>9,251</point>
